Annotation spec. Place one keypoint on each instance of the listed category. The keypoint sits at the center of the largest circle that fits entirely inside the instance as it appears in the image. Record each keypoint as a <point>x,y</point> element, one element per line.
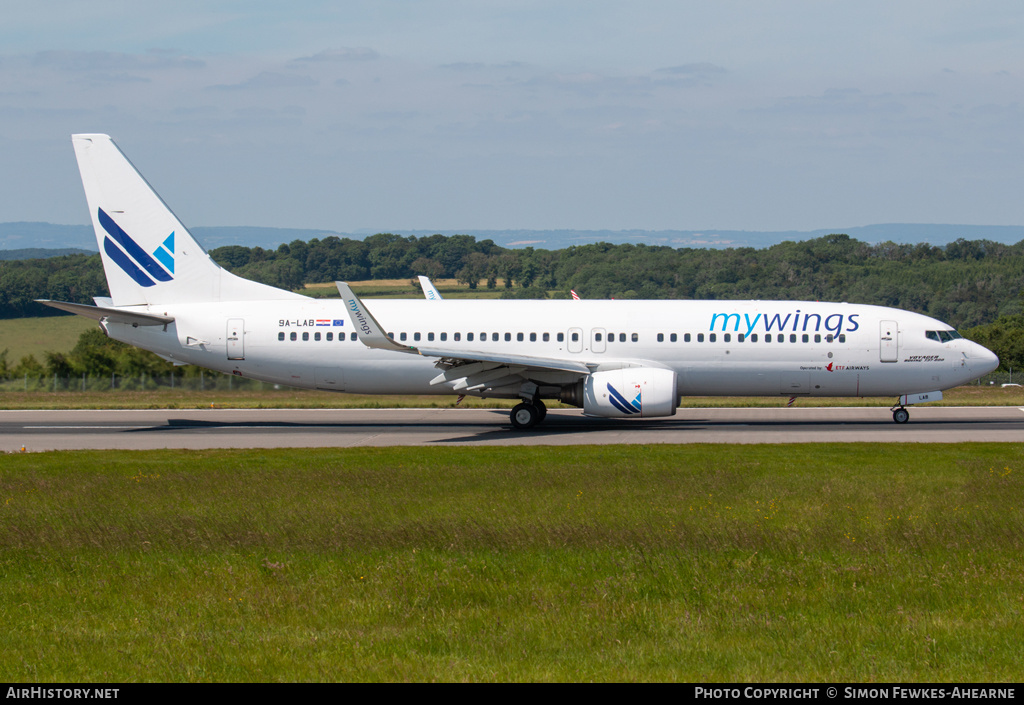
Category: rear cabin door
<point>888,341</point>
<point>236,339</point>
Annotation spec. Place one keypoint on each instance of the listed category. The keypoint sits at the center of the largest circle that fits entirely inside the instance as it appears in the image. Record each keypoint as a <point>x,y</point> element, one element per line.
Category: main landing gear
<point>528,414</point>
<point>900,414</point>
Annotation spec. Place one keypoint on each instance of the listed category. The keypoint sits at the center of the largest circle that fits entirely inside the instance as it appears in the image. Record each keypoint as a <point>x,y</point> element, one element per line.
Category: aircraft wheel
<point>525,416</point>
<point>542,410</point>
<point>901,415</point>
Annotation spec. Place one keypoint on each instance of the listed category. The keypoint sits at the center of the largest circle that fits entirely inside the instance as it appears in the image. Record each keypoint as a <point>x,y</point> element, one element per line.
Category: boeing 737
<point>618,359</point>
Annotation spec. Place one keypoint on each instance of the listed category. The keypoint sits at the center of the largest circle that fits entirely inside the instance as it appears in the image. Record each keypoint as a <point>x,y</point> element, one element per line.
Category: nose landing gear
<point>900,414</point>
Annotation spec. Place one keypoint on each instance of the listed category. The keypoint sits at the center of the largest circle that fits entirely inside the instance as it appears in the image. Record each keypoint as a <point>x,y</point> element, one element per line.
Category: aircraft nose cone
<point>984,361</point>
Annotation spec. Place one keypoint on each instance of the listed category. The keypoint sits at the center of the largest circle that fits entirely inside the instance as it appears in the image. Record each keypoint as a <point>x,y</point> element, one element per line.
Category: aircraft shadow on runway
<point>557,425</point>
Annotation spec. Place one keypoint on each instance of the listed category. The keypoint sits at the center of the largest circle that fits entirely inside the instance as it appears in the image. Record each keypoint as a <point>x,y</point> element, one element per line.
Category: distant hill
<point>41,253</point>
<point>20,236</point>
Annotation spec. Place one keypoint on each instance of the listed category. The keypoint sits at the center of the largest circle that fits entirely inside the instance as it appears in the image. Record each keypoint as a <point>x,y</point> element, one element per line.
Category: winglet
<point>429,290</point>
<point>371,333</point>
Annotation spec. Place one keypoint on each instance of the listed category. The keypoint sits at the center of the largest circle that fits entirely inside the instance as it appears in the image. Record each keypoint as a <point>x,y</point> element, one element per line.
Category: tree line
<point>974,285</point>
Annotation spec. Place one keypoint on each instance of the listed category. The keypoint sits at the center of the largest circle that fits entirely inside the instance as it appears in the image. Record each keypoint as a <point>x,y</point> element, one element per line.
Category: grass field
<point>35,336</point>
<point>404,289</point>
<point>707,563</point>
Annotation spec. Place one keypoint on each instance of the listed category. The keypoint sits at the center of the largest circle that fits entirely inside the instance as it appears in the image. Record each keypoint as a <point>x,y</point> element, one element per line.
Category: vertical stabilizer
<point>148,255</point>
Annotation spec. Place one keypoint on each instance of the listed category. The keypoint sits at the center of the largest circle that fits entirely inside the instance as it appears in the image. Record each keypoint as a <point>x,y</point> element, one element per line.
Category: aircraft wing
<point>457,363</point>
<point>116,315</point>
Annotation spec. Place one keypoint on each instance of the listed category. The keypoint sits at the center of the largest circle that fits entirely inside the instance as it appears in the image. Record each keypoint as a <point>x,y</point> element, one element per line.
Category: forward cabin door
<point>236,339</point>
<point>888,341</point>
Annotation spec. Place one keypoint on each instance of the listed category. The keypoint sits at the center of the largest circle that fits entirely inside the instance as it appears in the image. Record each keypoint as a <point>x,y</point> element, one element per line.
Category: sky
<point>393,114</point>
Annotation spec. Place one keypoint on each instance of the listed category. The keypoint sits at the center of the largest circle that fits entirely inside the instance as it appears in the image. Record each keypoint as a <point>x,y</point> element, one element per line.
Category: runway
<point>319,428</point>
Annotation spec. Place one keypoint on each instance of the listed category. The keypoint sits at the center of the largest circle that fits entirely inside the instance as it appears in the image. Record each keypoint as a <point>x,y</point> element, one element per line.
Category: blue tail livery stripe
<point>122,261</point>
<point>132,248</point>
<point>166,259</point>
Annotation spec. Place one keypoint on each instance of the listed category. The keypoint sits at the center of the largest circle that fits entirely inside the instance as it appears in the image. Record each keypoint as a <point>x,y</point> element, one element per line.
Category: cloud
<point>109,61</point>
<point>342,54</point>
<point>702,70</point>
<point>268,80</point>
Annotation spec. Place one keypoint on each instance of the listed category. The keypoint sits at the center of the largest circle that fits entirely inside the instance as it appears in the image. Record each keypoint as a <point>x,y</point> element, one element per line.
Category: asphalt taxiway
<point>317,428</point>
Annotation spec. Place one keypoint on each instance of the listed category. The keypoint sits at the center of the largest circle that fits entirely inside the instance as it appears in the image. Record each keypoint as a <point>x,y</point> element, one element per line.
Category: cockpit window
<point>932,335</point>
<point>942,336</point>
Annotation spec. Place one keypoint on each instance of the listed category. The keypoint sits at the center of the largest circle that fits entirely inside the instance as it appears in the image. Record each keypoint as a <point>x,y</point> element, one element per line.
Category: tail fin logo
<point>620,403</point>
<point>133,259</point>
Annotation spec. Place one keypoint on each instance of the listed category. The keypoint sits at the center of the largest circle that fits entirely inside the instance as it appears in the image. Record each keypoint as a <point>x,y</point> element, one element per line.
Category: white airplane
<point>619,359</point>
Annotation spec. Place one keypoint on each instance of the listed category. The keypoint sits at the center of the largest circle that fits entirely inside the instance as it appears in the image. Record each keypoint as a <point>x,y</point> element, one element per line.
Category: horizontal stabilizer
<point>114,315</point>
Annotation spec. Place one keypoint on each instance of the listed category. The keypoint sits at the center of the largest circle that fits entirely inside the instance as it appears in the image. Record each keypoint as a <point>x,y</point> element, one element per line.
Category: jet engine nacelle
<point>633,391</point>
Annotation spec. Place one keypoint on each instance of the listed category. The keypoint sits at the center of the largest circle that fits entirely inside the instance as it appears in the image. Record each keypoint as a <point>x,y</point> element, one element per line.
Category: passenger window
<point>753,337</point>
<point>673,338</point>
<point>519,337</point>
<point>817,337</point>
<point>686,337</point>
<point>806,338</point>
<point>575,337</point>
<point>712,338</point>
<point>727,338</point>
<point>330,337</point>
<point>780,338</point>
<point>416,337</point>
<point>305,336</point>
<point>842,337</point>
<point>294,336</point>
<point>561,337</point>
<point>792,337</point>
<point>353,336</point>
<point>829,338</point>
<point>458,336</point>
<point>494,337</point>
<point>469,337</point>
<point>635,338</point>
<point>533,337</point>
<point>597,337</point>
<point>622,337</point>
<point>430,337</point>
<point>402,337</point>
<point>739,337</point>
<point>316,336</point>
<point>444,337</point>
<point>547,337</point>
<point>700,337</point>
<point>661,337</point>
<point>280,336</point>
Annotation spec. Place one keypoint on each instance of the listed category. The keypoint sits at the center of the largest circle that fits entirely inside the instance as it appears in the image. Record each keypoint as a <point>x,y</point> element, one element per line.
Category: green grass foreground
<point>849,562</point>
